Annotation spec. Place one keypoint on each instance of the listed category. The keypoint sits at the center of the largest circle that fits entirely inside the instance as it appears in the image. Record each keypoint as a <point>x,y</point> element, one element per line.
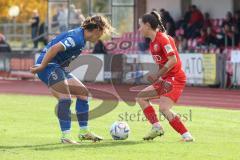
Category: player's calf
<point>178,126</point>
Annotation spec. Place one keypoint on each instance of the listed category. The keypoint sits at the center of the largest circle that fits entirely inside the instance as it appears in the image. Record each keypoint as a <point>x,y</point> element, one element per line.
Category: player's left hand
<point>35,69</point>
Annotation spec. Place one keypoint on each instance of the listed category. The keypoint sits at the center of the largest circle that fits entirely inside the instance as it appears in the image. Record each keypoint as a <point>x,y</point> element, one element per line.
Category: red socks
<point>177,125</point>
<point>150,114</point>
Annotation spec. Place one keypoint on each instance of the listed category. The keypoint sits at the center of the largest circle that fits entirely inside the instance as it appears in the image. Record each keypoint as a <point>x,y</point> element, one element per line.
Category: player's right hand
<point>36,68</point>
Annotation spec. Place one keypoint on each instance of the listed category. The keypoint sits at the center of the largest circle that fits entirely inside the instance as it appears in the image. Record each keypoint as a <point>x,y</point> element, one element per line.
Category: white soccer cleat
<point>155,132</point>
<point>68,141</point>
<point>187,137</point>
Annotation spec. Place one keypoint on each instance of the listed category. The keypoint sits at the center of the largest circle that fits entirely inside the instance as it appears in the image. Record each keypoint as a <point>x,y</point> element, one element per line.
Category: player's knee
<point>63,96</point>
<point>86,92</point>
<point>164,106</point>
<point>163,109</point>
<point>66,100</point>
<point>85,98</point>
<point>83,92</point>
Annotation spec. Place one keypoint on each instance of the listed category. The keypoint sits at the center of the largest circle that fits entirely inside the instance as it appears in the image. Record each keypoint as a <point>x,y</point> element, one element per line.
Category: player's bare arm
<point>172,60</point>
<point>52,52</point>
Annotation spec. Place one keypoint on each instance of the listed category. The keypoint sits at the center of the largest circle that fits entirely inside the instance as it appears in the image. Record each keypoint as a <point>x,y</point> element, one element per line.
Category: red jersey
<point>163,46</point>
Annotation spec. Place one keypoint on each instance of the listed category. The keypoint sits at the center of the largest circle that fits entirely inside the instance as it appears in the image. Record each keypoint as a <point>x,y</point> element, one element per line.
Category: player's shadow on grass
<point>106,143</point>
<point>27,146</point>
<point>56,146</point>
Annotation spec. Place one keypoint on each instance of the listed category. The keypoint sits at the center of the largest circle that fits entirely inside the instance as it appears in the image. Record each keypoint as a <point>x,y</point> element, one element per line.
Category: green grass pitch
<point>29,131</point>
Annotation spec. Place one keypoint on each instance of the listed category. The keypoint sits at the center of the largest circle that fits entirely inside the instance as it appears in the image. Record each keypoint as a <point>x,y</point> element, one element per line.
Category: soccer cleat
<point>89,136</point>
<point>154,133</point>
<point>66,139</point>
<point>187,139</point>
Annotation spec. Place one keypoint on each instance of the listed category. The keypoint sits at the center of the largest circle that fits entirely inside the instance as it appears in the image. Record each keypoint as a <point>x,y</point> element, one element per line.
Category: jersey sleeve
<point>167,46</point>
<point>70,43</point>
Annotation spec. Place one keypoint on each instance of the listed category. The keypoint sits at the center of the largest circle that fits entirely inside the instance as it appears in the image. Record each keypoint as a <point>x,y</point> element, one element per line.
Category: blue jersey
<point>73,42</point>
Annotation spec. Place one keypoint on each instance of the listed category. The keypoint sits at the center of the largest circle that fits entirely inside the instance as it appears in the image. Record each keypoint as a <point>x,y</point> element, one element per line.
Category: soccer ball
<point>119,130</point>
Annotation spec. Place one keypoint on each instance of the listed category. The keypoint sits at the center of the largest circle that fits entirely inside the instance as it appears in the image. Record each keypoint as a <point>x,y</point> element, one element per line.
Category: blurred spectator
<point>229,72</point>
<point>237,20</point>
<point>72,16</point>
<point>181,43</point>
<point>197,33</point>
<point>196,16</point>
<point>168,22</point>
<point>76,17</point>
<point>43,34</point>
<point>187,15</point>
<point>235,35</point>
<point>180,31</point>
<point>229,20</point>
<point>202,37</point>
<point>80,16</point>
<point>161,11</point>
<point>99,48</point>
<point>195,22</point>
<point>207,21</point>
<point>4,46</point>
<point>154,9</point>
<point>210,39</point>
<point>55,21</point>
<point>62,18</point>
<point>34,26</point>
<point>225,37</point>
<point>182,23</point>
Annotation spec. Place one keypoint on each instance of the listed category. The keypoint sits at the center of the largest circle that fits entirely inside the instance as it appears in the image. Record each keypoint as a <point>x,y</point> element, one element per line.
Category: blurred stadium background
<point>207,34</point>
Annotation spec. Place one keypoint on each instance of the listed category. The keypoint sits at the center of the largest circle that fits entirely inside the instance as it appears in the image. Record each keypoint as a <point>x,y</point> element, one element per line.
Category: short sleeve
<point>167,46</point>
<point>69,43</point>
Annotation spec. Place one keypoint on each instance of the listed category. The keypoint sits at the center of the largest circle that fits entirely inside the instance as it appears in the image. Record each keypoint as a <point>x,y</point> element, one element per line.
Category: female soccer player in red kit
<point>167,83</point>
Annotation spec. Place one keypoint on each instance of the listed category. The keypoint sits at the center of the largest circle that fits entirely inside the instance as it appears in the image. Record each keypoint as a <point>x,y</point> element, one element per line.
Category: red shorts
<point>178,85</point>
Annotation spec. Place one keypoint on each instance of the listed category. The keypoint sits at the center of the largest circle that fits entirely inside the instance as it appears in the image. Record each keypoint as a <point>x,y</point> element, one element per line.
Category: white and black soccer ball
<point>119,130</point>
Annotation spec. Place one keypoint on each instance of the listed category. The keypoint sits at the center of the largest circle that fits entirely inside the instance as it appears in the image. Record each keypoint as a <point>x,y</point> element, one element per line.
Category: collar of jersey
<point>82,34</point>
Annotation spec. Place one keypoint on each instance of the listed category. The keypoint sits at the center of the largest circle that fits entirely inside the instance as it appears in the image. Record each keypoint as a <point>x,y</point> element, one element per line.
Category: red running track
<point>194,96</point>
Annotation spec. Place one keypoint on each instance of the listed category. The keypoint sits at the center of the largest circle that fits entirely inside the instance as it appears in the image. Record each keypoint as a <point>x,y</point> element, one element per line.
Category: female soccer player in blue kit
<point>50,70</point>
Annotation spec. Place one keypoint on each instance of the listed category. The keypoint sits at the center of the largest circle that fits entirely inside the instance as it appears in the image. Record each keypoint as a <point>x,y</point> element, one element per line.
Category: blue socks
<point>64,114</point>
<point>82,109</point>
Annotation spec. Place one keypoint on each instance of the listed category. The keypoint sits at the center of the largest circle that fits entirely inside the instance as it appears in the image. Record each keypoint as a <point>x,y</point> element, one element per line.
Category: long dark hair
<point>154,19</point>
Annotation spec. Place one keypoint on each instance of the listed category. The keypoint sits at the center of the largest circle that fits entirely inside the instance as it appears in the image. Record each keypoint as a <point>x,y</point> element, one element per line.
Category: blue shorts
<point>53,74</point>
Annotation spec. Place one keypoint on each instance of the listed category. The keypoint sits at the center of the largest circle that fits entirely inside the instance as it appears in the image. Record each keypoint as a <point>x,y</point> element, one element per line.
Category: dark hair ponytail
<point>154,19</point>
<point>98,22</point>
<point>159,20</point>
